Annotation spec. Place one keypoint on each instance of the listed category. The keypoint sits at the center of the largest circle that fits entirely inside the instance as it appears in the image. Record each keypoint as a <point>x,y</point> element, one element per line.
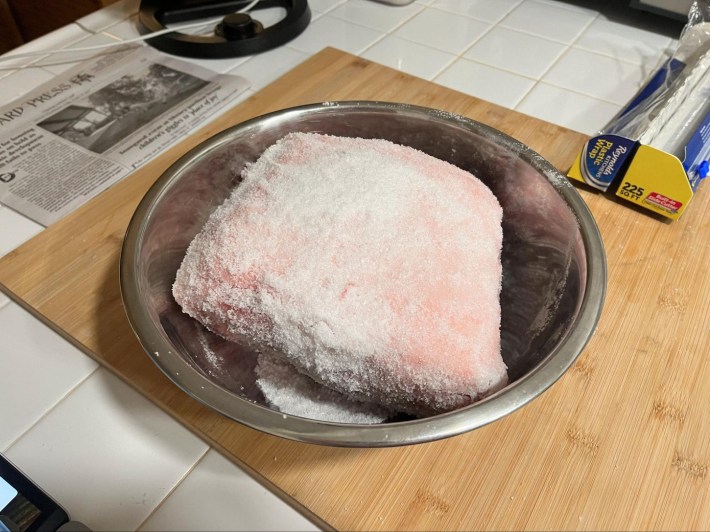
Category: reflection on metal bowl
<point>554,269</point>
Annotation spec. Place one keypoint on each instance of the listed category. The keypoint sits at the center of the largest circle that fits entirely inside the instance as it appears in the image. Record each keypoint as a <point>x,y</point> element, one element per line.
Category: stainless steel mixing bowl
<point>553,262</point>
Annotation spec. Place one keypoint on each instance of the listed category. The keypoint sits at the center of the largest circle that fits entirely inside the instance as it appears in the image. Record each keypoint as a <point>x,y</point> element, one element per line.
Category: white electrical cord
<point>120,43</point>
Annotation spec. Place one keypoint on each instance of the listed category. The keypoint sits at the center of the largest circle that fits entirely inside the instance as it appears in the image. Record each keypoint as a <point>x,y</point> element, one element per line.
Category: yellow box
<point>650,178</point>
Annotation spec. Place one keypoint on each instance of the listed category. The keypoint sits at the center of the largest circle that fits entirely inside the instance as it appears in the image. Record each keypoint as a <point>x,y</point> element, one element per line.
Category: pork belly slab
<point>371,267</point>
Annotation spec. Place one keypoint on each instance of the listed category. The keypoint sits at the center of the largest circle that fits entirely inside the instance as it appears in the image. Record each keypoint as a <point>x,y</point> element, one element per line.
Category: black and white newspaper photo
<point>67,141</point>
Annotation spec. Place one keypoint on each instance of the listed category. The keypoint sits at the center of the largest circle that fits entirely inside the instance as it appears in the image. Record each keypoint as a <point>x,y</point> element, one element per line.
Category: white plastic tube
<point>681,88</point>
<point>674,135</point>
<point>646,122</point>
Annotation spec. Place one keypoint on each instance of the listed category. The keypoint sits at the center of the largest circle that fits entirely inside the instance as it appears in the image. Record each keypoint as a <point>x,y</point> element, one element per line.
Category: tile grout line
<point>395,27</point>
<point>473,17</point>
<point>53,406</point>
<point>556,61</point>
<point>493,25</point>
<point>373,43</point>
<point>561,5</point>
<point>574,45</point>
<point>331,8</point>
<point>390,32</point>
<point>511,28</point>
<point>601,54</point>
<point>460,56</point>
<point>579,93</point>
<point>4,298</point>
<point>574,42</point>
<point>383,34</point>
<point>442,69</point>
<point>197,462</point>
<point>423,9</point>
<point>561,53</point>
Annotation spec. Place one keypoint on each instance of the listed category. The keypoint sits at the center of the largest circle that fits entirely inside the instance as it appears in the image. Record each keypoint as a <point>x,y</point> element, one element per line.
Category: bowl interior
<point>544,257</point>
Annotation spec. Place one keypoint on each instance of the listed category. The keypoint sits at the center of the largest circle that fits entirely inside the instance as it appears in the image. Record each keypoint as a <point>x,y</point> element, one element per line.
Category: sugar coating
<point>296,394</point>
<point>371,267</point>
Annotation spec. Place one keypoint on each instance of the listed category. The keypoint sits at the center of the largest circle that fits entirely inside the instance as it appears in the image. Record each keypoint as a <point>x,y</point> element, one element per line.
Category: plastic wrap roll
<point>682,87</point>
<point>674,135</point>
<point>649,119</point>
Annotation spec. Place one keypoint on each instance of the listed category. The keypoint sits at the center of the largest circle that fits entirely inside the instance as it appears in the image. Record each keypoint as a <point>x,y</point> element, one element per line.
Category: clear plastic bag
<point>668,110</point>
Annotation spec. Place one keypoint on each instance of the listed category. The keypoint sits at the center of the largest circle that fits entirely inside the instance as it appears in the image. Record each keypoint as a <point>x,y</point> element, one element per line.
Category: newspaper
<point>70,139</point>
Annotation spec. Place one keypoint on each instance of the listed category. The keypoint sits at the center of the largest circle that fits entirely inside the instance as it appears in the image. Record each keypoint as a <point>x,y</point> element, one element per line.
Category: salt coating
<point>373,268</point>
<point>299,395</point>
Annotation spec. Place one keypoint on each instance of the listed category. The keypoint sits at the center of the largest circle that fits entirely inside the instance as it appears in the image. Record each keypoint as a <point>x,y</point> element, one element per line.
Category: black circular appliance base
<point>233,37</point>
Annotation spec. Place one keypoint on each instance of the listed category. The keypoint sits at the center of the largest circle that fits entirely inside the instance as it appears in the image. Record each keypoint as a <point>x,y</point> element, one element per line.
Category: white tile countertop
<point>113,459</point>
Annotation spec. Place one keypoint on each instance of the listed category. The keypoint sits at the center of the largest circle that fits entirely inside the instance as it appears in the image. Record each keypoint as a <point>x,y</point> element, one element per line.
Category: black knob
<point>237,26</point>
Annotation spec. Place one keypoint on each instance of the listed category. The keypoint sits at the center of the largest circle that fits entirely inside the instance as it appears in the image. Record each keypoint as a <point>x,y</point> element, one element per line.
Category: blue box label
<point>603,159</point>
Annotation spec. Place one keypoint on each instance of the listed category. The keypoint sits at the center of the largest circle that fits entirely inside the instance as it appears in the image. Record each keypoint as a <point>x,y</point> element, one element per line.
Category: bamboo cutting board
<point>621,442</point>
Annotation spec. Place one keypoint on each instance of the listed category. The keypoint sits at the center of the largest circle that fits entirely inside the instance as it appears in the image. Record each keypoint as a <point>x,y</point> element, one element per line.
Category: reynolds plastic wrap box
<point>655,152</point>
